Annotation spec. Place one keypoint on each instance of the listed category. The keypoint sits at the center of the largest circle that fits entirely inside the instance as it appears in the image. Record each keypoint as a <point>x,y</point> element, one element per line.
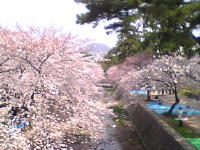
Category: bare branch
<point>45,59</point>
<point>39,68</point>
<point>30,63</point>
<point>4,61</point>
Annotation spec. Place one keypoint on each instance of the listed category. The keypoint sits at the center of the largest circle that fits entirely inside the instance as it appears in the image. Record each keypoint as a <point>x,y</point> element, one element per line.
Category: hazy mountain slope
<point>97,49</point>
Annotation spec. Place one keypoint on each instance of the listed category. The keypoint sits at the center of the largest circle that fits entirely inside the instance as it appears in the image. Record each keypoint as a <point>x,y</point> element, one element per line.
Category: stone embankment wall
<point>154,133</point>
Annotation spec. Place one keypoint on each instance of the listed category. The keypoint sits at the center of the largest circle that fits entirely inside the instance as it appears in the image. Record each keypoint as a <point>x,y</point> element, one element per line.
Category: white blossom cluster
<point>163,73</point>
<point>44,73</point>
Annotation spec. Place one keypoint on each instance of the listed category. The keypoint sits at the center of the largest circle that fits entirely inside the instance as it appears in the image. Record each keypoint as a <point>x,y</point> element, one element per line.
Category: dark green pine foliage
<point>171,23</point>
<point>129,38</point>
<point>105,9</point>
<point>162,26</point>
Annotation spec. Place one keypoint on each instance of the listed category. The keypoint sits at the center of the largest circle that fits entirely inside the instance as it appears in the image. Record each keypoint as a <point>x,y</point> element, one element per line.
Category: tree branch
<point>39,69</point>
<point>6,60</point>
<point>30,63</point>
<point>47,57</point>
<point>164,82</point>
<point>191,76</point>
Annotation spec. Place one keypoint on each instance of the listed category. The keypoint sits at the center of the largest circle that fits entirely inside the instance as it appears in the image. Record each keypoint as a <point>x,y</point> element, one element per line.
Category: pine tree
<point>164,27</point>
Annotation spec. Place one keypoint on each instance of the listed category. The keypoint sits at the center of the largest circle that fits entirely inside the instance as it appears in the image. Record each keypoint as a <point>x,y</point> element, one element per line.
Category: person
<point>180,116</point>
<point>170,91</point>
<point>162,91</point>
<point>157,98</point>
<point>198,98</point>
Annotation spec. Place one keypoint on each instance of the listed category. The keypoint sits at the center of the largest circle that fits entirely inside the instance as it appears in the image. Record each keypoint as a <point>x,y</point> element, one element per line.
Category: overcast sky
<point>57,13</point>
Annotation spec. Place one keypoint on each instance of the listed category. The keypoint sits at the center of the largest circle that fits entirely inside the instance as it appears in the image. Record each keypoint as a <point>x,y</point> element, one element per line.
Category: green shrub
<point>106,65</point>
<point>189,92</point>
<point>120,122</point>
<point>121,115</point>
<point>119,110</point>
<point>111,62</point>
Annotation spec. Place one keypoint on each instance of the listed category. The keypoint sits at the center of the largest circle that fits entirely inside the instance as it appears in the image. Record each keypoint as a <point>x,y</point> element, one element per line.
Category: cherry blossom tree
<point>169,72</point>
<point>53,79</point>
<point>193,70</point>
<point>125,75</point>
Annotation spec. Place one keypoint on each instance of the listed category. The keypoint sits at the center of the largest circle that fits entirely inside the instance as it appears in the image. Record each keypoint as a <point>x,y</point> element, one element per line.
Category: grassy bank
<point>185,130</point>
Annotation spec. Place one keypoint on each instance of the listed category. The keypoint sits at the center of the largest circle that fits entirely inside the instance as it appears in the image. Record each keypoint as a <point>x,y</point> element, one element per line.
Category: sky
<point>56,13</point>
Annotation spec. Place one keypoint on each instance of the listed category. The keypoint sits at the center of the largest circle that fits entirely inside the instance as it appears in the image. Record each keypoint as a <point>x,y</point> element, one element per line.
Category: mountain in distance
<point>97,49</point>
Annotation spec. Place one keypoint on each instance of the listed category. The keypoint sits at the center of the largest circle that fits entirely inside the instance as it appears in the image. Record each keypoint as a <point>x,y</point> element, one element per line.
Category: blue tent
<point>139,92</point>
<point>160,108</point>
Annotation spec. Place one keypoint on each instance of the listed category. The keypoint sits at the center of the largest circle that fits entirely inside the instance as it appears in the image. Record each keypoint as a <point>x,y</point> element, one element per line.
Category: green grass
<point>189,92</point>
<point>121,115</point>
<point>185,130</point>
<point>110,90</point>
<point>119,111</point>
<point>195,142</point>
<point>120,121</point>
<point>4,123</point>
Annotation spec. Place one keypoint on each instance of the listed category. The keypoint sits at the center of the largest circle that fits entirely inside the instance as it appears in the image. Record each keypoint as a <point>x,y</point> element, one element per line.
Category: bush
<point>114,60</point>
<point>106,65</point>
<point>119,111</point>
<point>121,115</point>
<point>189,92</point>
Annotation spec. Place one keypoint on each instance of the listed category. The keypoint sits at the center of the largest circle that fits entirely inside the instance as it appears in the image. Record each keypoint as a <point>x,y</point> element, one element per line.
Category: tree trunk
<point>148,95</point>
<point>32,98</point>
<point>177,100</point>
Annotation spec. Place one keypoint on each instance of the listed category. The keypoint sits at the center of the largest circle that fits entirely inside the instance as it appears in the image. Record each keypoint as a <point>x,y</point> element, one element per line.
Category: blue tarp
<point>163,108</point>
<point>17,128</point>
<point>21,125</point>
<point>140,92</point>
